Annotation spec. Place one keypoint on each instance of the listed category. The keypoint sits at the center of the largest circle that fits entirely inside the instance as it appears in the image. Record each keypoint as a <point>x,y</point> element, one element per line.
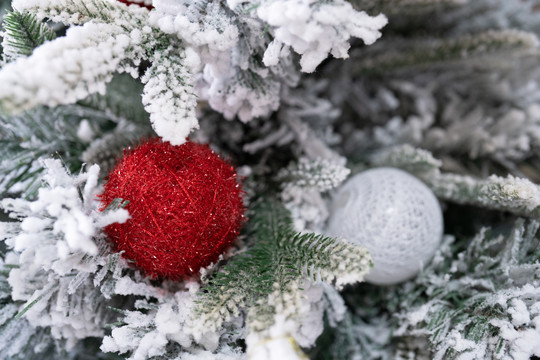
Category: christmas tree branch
<point>407,157</point>
<point>30,136</point>
<point>23,33</point>
<point>168,93</point>
<point>65,70</point>
<point>89,56</point>
<point>18,339</point>
<point>75,133</point>
<point>447,51</point>
<point>277,260</point>
<point>487,300</point>
<point>78,12</point>
<point>63,274</point>
<point>517,195</point>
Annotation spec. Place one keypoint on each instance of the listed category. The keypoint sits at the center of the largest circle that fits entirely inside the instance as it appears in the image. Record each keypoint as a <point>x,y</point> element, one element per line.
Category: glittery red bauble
<point>185,204</point>
<point>140,3</point>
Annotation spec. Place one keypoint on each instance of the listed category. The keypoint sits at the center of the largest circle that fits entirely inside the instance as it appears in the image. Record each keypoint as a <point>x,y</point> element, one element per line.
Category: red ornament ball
<point>185,204</point>
<point>143,3</point>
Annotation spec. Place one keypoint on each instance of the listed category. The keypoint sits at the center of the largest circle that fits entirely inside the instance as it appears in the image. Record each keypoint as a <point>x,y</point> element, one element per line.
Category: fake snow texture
<point>315,30</point>
<point>59,271</point>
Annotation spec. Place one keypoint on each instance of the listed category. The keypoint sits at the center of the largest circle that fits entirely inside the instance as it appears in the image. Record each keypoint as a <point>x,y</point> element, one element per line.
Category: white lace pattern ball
<point>395,216</point>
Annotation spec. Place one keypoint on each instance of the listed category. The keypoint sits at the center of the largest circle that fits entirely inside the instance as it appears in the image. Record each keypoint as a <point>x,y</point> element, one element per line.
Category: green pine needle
<point>29,305</point>
<point>23,33</point>
<point>278,257</point>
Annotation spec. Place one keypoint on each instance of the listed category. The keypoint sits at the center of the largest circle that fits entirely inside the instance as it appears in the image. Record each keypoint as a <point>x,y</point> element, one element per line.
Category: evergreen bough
<point>278,257</point>
<point>23,32</point>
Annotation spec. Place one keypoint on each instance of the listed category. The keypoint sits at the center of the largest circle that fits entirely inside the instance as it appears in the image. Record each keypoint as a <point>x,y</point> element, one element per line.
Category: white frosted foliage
<point>210,28</point>
<point>395,216</point>
<point>77,12</point>
<point>168,95</point>
<point>303,183</point>
<point>298,322</point>
<point>65,70</point>
<point>315,30</point>
<point>217,31</point>
<point>172,320</point>
<point>57,248</point>
<point>59,216</point>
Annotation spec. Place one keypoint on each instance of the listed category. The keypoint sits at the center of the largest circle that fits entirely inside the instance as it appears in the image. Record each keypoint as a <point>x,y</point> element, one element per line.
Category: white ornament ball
<point>395,216</point>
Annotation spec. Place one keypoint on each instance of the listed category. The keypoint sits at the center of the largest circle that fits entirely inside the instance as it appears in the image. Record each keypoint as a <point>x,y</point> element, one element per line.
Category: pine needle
<point>278,257</point>
<point>23,33</point>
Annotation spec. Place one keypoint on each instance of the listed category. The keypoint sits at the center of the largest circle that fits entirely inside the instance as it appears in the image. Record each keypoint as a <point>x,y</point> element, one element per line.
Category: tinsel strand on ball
<point>185,204</point>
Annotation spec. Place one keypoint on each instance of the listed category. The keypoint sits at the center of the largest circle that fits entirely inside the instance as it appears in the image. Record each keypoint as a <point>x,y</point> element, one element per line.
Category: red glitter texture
<point>128,2</point>
<point>185,204</point>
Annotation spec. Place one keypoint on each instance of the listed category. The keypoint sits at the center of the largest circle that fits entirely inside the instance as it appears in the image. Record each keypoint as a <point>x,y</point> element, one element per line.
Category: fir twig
<point>407,55</point>
<point>519,196</point>
<point>278,257</point>
<point>23,33</point>
<point>78,12</point>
